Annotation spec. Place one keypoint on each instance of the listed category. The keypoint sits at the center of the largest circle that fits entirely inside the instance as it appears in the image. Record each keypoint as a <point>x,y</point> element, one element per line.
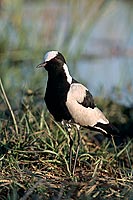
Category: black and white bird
<point>69,100</point>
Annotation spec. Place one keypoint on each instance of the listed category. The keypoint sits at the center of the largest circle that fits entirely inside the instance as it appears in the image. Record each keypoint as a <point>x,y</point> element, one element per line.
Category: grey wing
<point>81,106</point>
<point>87,100</point>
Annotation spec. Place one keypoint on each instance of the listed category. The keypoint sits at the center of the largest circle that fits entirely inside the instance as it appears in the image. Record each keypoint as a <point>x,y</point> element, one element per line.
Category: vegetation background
<point>96,38</point>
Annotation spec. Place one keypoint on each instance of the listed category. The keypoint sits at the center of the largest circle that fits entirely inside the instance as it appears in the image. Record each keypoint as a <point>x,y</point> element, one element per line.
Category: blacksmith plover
<point>69,100</point>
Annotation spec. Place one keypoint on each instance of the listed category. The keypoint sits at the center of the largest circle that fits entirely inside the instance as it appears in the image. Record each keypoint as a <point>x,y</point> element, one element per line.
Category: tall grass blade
<point>9,106</point>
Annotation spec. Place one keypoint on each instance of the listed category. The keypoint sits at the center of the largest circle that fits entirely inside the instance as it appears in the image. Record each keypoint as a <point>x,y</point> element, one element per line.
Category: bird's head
<point>52,58</point>
<point>54,62</point>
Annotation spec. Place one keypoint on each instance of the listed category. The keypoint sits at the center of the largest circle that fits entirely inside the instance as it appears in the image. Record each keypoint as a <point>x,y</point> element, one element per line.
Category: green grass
<point>34,158</point>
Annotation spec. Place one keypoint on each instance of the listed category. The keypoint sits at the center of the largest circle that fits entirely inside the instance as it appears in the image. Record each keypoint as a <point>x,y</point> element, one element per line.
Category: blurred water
<point>104,76</point>
<point>109,53</point>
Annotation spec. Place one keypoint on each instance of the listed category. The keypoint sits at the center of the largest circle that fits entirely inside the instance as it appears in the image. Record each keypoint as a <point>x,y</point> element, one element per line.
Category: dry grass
<point>34,161</point>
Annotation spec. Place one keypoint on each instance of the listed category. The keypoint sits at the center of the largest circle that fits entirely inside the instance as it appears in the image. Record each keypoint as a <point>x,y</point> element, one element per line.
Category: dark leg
<point>70,153</point>
<point>75,161</point>
<point>68,129</point>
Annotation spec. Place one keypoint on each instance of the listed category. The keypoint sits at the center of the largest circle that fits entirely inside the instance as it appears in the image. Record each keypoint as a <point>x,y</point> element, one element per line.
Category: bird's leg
<point>78,145</point>
<point>70,153</point>
<point>70,142</point>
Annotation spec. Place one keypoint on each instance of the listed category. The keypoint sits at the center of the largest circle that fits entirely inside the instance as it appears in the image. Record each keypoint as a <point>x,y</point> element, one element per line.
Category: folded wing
<point>80,104</point>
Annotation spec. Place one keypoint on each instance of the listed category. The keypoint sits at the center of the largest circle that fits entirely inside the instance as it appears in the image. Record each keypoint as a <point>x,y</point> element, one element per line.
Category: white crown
<point>50,55</point>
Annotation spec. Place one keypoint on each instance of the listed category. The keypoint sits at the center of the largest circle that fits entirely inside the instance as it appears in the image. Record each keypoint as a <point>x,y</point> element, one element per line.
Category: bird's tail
<point>107,129</point>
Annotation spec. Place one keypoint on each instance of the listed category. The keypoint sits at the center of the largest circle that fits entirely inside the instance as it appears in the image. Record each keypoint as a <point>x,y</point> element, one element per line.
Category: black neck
<point>56,74</point>
<point>57,80</point>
